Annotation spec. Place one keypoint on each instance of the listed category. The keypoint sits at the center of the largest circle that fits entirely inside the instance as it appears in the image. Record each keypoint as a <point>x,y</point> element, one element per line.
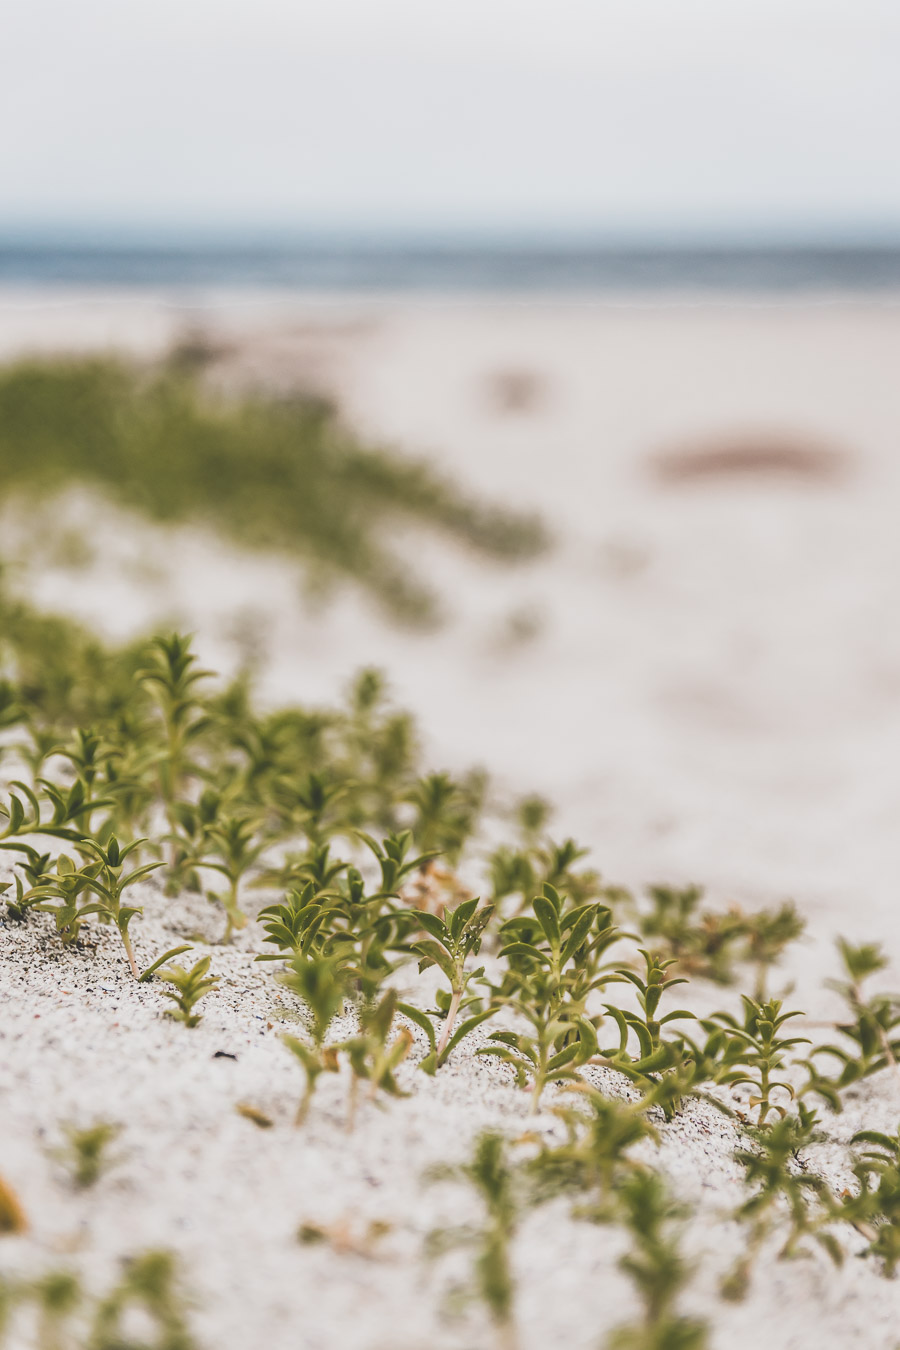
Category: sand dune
<point>704,676</point>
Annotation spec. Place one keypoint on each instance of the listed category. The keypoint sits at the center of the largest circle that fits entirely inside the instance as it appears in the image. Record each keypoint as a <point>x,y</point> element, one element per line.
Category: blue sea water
<point>453,267</point>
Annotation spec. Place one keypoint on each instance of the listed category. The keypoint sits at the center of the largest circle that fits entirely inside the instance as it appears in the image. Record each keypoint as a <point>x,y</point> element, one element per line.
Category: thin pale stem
<point>126,941</point>
<point>537,1089</point>
<point>448,1024</point>
<point>303,1108</point>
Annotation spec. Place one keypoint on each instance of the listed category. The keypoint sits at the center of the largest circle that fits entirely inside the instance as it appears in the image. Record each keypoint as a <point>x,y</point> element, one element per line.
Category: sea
<point>403,266</point>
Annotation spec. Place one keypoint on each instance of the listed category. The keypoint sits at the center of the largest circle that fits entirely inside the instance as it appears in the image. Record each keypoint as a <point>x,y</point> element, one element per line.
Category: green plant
<point>753,1053</point>
<point>57,1297</point>
<point>448,947</point>
<point>279,474</point>
<point>511,872</point>
<point>237,843</point>
<point>875,1210</point>
<point>62,1314</point>
<point>67,884</point>
<point>321,982</point>
<point>150,1283</point>
<point>86,1155</point>
<point>554,966</point>
<point>445,812</point>
<point>393,861</point>
<point>102,878</point>
<point>656,1267</point>
<point>596,1152</point>
<point>188,987</point>
<point>328,811</point>
<point>869,1034</point>
<point>647,1025</point>
<point>766,936</point>
<point>784,1193</point>
<point>171,677</point>
<point>493,1178</point>
<point>300,924</point>
<point>551,1053</point>
<point>372,1056</point>
<point>23,813</point>
<point>528,869</point>
<point>713,944</point>
<point>18,908</point>
<point>161,961</point>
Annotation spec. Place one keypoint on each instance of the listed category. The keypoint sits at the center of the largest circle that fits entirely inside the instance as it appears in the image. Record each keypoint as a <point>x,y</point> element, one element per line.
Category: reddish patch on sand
<point>750,457</point>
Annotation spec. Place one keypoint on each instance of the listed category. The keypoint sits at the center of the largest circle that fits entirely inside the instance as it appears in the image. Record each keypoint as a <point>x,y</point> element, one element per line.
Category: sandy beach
<point>702,675</point>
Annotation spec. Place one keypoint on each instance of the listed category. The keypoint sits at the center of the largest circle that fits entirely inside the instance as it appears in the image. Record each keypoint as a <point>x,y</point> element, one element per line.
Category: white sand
<point>714,695</point>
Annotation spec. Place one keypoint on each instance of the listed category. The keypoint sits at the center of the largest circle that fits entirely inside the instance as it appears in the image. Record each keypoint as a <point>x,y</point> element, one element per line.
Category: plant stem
<point>234,918</point>
<point>764,1096</point>
<point>303,1108</point>
<point>448,1024</point>
<point>130,953</point>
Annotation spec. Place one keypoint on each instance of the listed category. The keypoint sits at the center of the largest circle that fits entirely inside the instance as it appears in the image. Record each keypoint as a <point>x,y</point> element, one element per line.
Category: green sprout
<point>86,1155</point>
<point>373,1057</point>
<point>554,966</point>
<point>144,1310</point>
<point>188,987</point>
<point>754,1053</point>
<point>448,947</point>
<point>875,1211</point>
<point>57,1297</point>
<point>171,676</point>
<point>24,816</point>
<point>872,1039</point>
<point>551,1053</point>
<point>321,982</point>
<point>596,1152</point>
<point>493,1178</point>
<point>237,843</point>
<point>656,1267</point>
<point>102,877</point>
<point>299,924</point>
<point>17,909</point>
<point>646,1026</point>
<point>150,1284</point>
<point>784,1194</point>
<point>710,944</point>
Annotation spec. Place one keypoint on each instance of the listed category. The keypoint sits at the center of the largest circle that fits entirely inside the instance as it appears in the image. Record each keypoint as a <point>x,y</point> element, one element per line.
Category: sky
<point>661,117</point>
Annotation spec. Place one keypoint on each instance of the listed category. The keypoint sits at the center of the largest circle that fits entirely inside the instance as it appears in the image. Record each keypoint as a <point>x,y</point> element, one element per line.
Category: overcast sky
<point>657,115</point>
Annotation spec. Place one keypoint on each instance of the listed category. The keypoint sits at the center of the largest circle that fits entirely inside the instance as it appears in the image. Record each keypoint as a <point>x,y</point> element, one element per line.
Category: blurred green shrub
<point>281,475</point>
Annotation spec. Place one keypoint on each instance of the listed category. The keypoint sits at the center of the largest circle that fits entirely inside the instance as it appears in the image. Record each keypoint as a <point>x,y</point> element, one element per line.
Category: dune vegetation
<point>358,874</point>
<point>284,476</point>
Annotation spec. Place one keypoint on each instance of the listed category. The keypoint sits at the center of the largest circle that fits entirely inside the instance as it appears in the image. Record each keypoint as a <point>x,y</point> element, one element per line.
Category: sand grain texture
<point>712,694</point>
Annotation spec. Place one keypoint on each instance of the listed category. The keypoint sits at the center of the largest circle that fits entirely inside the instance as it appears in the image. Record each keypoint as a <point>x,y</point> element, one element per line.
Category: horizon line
<point>188,234</point>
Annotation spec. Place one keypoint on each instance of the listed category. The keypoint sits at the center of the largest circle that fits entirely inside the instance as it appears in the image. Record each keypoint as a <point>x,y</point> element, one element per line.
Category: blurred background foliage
<point>282,475</point>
